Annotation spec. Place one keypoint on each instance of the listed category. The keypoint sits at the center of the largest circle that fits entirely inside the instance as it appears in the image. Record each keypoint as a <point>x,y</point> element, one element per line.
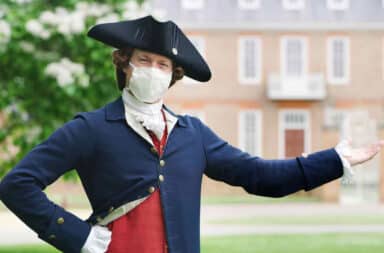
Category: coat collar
<point>115,111</point>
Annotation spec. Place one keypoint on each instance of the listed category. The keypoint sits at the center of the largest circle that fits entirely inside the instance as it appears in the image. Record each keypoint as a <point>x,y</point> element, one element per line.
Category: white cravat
<point>149,115</point>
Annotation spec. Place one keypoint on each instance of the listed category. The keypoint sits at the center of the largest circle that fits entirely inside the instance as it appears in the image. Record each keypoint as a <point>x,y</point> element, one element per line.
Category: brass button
<point>51,237</point>
<point>151,189</point>
<point>161,178</point>
<point>153,150</point>
<point>305,155</point>
<point>110,210</point>
<point>162,163</point>
<point>60,220</point>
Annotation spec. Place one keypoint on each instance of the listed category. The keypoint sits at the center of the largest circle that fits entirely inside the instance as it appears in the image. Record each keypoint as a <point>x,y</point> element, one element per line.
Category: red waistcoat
<point>142,229</point>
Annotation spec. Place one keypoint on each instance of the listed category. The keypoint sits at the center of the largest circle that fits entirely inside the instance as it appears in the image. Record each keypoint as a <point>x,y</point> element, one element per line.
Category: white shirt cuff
<point>98,240</point>
<point>343,148</point>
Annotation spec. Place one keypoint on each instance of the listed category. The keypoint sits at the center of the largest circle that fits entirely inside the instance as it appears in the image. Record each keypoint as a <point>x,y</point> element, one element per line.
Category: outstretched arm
<point>267,177</point>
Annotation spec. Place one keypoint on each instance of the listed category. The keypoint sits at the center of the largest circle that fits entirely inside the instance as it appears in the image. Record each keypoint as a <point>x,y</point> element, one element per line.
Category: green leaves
<point>37,96</point>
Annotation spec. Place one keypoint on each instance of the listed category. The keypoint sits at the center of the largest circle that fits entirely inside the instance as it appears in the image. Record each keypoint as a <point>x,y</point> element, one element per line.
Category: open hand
<point>359,155</point>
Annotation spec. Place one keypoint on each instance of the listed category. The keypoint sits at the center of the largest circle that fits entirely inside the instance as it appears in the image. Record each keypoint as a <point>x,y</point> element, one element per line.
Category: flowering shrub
<point>50,69</point>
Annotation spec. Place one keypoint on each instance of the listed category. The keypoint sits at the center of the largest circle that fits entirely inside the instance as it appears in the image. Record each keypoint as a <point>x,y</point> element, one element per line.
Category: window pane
<point>339,59</point>
<point>250,132</point>
<point>294,57</point>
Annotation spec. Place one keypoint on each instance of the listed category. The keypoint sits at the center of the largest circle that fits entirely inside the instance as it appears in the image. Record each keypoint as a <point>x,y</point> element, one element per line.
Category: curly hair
<point>121,57</point>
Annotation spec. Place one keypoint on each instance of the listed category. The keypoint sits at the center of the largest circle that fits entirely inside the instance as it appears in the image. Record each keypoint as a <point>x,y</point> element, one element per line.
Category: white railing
<point>309,87</point>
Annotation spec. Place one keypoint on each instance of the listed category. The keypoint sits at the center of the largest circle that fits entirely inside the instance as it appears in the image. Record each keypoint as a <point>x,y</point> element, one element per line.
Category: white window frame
<point>283,52</point>
<point>293,5</point>
<point>192,4</point>
<point>200,46</point>
<point>334,117</point>
<point>247,5</point>
<point>333,5</point>
<point>282,127</point>
<point>382,55</point>
<point>330,64</point>
<point>241,57</point>
<point>241,133</point>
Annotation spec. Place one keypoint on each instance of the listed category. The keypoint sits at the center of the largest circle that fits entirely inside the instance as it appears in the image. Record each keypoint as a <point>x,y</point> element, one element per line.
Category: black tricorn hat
<point>149,34</point>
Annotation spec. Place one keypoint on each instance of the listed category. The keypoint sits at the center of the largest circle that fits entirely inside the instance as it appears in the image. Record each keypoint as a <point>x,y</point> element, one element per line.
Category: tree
<point>50,69</point>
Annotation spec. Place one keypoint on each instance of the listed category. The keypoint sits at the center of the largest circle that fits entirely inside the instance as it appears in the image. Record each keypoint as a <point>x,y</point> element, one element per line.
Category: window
<point>294,132</point>
<point>250,132</point>
<point>382,57</point>
<point>294,57</point>
<point>199,43</point>
<point>337,4</point>
<point>293,4</point>
<point>249,4</point>
<point>249,60</point>
<point>334,117</point>
<point>338,60</point>
<point>192,4</point>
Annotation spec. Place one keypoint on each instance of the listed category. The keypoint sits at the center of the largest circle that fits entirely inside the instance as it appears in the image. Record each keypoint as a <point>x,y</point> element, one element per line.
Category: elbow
<point>5,189</point>
<point>271,190</point>
<point>11,187</point>
<point>276,193</point>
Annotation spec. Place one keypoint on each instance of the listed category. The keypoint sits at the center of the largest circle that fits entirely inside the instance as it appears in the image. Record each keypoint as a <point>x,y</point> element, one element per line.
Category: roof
<point>225,14</point>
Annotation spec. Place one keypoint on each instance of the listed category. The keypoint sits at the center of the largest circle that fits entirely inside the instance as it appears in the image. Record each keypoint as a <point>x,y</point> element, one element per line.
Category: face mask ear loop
<point>131,64</point>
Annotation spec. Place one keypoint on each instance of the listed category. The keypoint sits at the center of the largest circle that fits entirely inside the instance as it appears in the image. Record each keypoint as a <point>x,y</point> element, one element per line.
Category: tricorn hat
<point>164,38</point>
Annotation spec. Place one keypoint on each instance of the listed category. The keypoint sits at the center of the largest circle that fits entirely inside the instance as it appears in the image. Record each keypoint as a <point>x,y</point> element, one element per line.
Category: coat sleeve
<point>267,177</point>
<point>21,189</point>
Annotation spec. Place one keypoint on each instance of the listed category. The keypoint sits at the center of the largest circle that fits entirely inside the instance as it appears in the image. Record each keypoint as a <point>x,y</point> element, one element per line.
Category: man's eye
<point>143,60</point>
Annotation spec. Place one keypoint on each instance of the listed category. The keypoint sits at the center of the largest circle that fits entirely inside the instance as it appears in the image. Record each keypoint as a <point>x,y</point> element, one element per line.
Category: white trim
<point>192,4</point>
<point>199,42</point>
<point>338,5</point>
<point>330,64</point>
<point>293,4</point>
<point>382,3</point>
<point>382,56</point>
<point>283,52</point>
<point>240,132</point>
<point>282,127</point>
<point>249,5</point>
<point>258,55</point>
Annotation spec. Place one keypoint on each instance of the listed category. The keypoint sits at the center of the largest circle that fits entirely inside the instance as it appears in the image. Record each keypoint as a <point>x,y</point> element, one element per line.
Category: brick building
<point>289,76</point>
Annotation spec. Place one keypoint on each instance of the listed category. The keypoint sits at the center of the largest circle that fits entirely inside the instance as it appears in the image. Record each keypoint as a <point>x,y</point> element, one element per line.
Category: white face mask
<point>149,84</point>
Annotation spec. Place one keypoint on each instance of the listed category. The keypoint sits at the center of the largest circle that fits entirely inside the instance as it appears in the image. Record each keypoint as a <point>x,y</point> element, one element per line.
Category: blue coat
<point>116,166</point>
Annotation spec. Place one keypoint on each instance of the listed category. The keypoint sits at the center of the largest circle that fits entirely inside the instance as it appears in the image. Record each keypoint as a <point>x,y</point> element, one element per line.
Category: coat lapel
<point>116,111</point>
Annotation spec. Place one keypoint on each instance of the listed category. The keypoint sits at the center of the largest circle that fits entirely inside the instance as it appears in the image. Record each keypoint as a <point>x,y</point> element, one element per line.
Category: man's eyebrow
<point>143,55</point>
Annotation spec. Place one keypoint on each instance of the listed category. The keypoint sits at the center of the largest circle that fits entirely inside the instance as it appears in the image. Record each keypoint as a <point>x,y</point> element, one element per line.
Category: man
<point>141,165</point>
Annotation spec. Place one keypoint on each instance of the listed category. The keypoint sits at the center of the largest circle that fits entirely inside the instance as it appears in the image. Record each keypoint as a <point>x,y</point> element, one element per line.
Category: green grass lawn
<point>324,243</point>
<point>253,199</point>
<point>305,220</point>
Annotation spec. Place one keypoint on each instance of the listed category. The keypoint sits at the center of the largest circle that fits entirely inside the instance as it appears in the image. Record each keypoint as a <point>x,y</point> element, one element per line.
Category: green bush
<point>50,69</point>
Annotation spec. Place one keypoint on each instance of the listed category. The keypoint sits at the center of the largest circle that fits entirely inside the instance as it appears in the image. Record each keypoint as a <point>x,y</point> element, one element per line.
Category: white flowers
<point>37,29</point>
<point>64,21</point>
<point>22,1</point>
<point>5,32</point>
<point>67,73</point>
<point>70,22</point>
